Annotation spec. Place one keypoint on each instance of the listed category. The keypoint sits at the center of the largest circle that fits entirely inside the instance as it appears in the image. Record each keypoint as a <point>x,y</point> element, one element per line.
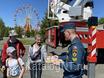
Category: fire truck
<point>90,33</point>
<point>80,13</point>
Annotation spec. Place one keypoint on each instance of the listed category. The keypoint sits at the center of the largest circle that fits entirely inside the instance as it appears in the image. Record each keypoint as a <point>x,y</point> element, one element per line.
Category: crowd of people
<point>13,52</point>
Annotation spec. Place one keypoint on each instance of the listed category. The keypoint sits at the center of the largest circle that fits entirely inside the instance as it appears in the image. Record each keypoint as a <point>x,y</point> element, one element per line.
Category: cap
<point>68,26</point>
<point>12,33</point>
<point>10,50</point>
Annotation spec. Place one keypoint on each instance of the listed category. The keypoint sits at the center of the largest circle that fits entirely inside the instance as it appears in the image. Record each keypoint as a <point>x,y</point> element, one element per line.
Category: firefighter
<point>11,42</point>
<point>73,65</point>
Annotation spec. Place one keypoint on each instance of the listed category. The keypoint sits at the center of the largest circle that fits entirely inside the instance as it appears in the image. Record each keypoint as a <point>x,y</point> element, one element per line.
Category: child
<point>15,66</point>
<point>37,55</point>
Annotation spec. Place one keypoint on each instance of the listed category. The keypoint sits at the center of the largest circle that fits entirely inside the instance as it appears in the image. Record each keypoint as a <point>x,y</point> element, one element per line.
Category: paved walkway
<point>58,73</point>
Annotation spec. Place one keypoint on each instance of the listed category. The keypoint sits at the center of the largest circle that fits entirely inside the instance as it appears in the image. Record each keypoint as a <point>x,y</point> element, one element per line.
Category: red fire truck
<point>78,13</point>
<point>87,28</point>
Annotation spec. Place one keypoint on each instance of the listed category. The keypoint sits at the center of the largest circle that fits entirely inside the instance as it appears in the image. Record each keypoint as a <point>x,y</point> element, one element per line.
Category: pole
<point>91,70</point>
<point>92,59</point>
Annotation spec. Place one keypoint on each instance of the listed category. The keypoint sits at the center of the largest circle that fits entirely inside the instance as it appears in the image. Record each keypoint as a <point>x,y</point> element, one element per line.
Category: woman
<point>37,54</point>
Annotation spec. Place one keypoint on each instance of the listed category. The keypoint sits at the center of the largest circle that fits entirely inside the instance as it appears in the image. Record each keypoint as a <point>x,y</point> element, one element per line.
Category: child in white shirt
<point>15,65</point>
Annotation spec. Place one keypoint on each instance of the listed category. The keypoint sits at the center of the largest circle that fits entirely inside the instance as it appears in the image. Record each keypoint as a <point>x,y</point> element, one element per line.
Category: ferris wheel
<point>27,17</point>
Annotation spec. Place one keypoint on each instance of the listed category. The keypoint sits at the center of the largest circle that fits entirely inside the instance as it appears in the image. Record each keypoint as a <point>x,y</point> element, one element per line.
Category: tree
<point>32,33</point>
<point>101,20</point>
<point>2,27</point>
<point>19,31</point>
<point>27,34</point>
<point>45,23</point>
<point>7,29</point>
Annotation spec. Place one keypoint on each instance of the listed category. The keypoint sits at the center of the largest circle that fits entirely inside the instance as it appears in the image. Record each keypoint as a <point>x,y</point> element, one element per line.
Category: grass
<point>27,41</point>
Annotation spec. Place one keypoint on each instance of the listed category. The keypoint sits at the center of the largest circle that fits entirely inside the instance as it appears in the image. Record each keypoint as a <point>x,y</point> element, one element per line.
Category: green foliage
<point>19,31</point>
<point>7,29</point>
<point>101,20</point>
<point>27,34</point>
<point>45,23</point>
<point>2,27</point>
<point>32,33</point>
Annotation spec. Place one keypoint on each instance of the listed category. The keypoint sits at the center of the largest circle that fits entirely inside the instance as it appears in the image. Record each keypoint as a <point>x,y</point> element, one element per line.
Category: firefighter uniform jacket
<point>74,60</point>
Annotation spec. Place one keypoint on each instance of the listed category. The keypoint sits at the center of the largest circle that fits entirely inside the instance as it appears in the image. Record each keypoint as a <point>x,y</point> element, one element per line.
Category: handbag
<point>36,55</point>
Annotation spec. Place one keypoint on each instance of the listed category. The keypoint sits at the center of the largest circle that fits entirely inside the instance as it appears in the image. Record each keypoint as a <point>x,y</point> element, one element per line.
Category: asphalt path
<point>51,71</point>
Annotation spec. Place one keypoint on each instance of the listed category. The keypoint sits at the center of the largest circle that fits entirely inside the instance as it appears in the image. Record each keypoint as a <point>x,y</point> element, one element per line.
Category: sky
<point>8,9</point>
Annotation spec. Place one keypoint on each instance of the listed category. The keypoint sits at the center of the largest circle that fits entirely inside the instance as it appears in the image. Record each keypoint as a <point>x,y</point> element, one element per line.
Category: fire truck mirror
<point>93,21</point>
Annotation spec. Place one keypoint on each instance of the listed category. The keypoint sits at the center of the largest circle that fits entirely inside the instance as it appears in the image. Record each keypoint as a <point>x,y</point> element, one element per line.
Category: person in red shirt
<point>11,42</point>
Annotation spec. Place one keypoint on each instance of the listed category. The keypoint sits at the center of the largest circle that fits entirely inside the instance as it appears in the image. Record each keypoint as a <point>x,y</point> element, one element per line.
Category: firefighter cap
<point>68,26</point>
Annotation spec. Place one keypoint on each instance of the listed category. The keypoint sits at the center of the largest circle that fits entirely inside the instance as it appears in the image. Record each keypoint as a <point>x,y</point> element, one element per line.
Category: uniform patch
<point>74,54</point>
<point>74,59</point>
<point>74,51</point>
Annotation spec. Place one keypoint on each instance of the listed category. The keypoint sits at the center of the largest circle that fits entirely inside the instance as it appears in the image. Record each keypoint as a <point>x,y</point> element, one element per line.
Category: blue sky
<point>8,7</point>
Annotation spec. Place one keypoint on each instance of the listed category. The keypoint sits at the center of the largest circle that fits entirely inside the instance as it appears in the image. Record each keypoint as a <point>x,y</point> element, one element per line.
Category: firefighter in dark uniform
<point>73,66</point>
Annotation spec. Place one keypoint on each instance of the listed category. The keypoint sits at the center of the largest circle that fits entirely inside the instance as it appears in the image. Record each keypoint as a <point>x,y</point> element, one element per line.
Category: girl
<point>15,66</point>
<point>37,55</point>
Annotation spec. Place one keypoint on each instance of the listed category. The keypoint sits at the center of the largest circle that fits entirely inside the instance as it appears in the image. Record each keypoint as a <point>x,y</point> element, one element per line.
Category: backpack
<point>15,70</point>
